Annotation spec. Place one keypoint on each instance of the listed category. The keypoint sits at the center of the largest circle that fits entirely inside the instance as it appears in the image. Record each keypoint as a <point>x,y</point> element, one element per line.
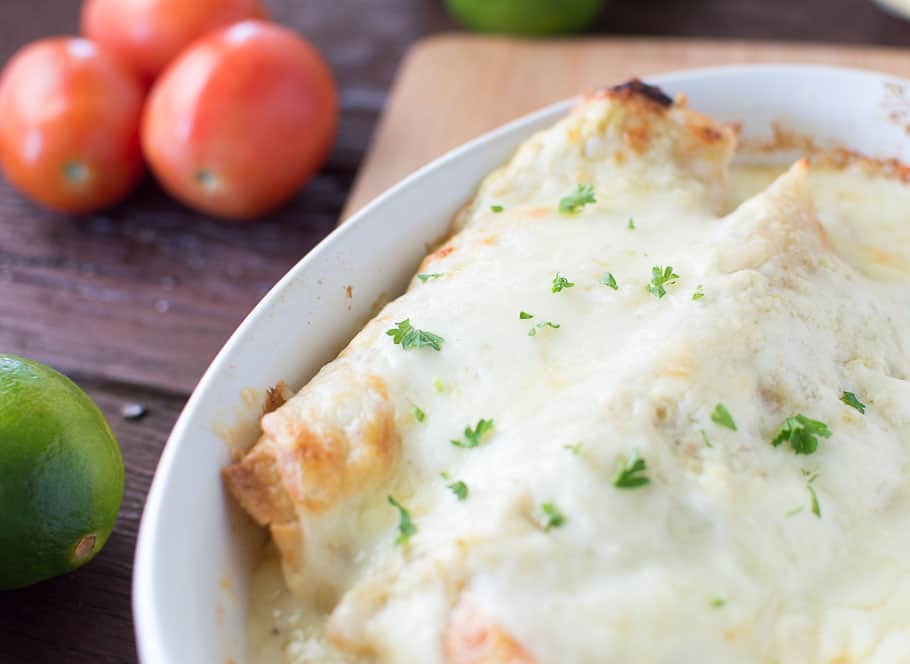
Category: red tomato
<point>148,34</point>
<point>69,125</point>
<point>241,120</point>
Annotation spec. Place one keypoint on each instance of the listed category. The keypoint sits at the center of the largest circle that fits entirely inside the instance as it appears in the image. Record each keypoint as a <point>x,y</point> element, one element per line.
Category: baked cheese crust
<point>625,426</point>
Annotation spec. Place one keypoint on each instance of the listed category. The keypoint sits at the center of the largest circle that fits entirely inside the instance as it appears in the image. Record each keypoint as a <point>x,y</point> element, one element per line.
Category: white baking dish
<point>193,555</point>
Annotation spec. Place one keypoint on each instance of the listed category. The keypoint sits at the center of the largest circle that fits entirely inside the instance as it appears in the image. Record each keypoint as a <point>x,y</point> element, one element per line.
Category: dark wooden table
<point>133,304</point>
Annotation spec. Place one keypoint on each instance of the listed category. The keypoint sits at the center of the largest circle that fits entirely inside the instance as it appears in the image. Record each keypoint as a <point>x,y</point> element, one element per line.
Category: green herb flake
<point>718,602</point>
<point>609,281</point>
<point>406,528</point>
<point>660,277</point>
<point>574,202</point>
<point>496,209</point>
<point>574,449</point>
<point>630,473</point>
<point>460,489</point>
<point>445,475</point>
<point>802,433</point>
<point>533,331</point>
<point>411,337</point>
<point>473,436</point>
<point>560,283</point>
<point>794,511</point>
<point>438,386</point>
<point>851,400</point>
<point>816,508</point>
<point>704,438</point>
<point>698,294</point>
<point>723,417</point>
<point>426,277</point>
<point>631,224</point>
<point>553,518</point>
<point>419,415</point>
<point>524,315</point>
<point>810,479</point>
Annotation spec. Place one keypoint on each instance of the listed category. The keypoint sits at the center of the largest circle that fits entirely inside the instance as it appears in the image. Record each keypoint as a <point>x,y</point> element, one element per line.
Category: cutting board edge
<point>443,47</point>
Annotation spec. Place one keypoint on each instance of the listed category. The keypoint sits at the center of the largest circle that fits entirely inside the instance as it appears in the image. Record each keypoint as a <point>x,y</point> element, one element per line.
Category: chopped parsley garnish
<point>810,479</point>
<point>574,449</point>
<point>704,437</point>
<point>533,331</point>
<point>698,294</point>
<point>723,417</point>
<point>406,529</point>
<point>560,283</point>
<point>426,277</point>
<point>631,223</point>
<point>574,202</point>
<point>460,489</point>
<point>631,472</point>
<point>524,315</point>
<point>718,602</point>
<point>473,436</point>
<point>438,385</point>
<point>411,337</point>
<point>497,208</point>
<point>553,518</point>
<point>816,509</point>
<point>661,276</point>
<point>609,280</point>
<point>419,415</point>
<point>802,433</point>
<point>850,399</point>
<point>794,511</point>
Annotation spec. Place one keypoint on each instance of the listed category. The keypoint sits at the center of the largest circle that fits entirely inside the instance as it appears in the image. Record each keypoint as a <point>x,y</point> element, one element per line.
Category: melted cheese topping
<point>719,558</point>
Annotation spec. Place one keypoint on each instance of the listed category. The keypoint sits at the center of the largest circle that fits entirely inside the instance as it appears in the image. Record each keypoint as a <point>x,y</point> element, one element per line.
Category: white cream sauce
<point>720,558</point>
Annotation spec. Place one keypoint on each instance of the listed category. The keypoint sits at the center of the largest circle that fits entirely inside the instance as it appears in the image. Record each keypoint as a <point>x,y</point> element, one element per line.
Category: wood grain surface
<point>134,303</point>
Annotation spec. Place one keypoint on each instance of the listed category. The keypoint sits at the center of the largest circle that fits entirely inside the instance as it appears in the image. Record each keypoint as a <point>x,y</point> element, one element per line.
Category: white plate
<point>193,554</point>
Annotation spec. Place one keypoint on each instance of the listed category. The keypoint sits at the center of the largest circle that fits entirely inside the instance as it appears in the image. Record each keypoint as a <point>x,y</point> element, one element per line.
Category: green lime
<point>61,474</point>
<point>533,17</point>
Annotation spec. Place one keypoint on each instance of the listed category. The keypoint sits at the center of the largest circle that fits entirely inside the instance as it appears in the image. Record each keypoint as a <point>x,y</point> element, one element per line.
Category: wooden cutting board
<point>454,87</point>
